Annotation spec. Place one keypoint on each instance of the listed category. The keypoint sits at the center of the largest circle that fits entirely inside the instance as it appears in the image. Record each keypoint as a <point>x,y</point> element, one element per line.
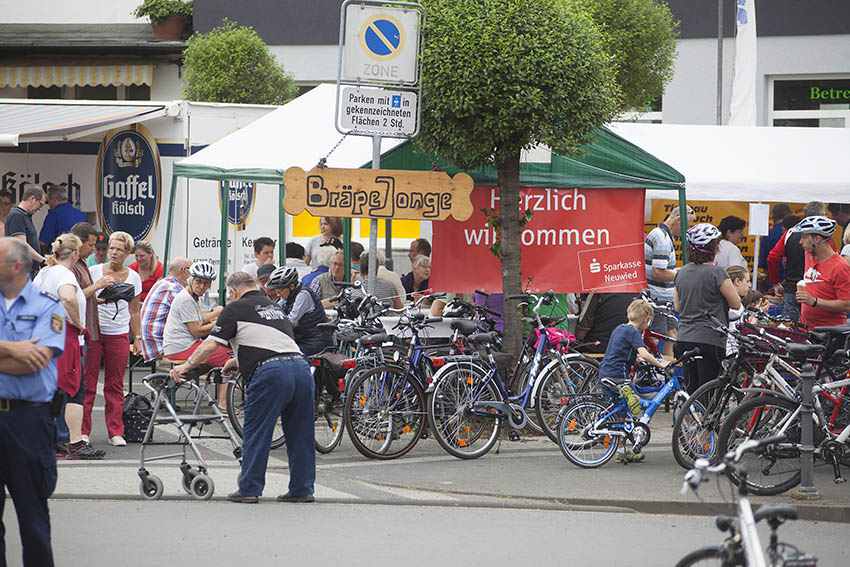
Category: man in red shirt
<point>825,299</point>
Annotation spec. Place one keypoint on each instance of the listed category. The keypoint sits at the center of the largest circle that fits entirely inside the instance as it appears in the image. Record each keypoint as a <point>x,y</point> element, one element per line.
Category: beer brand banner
<point>128,182</point>
<point>578,240</point>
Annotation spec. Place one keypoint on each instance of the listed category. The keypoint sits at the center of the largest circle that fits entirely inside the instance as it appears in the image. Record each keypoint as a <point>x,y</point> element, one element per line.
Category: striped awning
<point>22,122</point>
<point>82,75</point>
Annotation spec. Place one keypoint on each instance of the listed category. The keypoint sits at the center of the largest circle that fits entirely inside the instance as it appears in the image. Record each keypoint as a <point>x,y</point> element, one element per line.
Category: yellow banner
<point>713,212</point>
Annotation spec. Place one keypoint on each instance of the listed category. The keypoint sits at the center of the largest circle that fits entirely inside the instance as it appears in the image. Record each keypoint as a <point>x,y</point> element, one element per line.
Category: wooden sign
<point>378,193</point>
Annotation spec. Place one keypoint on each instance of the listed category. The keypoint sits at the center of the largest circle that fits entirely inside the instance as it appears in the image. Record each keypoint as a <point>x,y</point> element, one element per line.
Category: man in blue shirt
<point>32,335</point>
<point>780,211</point>
<point>61,218</point>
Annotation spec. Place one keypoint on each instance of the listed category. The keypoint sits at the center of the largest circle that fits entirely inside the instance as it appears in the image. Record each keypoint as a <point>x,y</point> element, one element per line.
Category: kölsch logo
<point>240,202</point>
<point>128,182</point>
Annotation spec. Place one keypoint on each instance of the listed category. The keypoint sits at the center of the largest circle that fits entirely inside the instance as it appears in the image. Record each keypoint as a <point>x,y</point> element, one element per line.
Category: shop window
<point>137,92</point>
<point>815,102</point>
<point>44,92</point>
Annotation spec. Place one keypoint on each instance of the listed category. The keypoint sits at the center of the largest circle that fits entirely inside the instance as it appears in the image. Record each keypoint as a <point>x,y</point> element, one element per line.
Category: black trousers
<point>28,470</point>
<point>704,368</point>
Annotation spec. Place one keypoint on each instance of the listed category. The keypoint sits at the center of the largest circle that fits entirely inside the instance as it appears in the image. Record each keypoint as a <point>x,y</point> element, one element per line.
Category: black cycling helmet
<point>282,277</point>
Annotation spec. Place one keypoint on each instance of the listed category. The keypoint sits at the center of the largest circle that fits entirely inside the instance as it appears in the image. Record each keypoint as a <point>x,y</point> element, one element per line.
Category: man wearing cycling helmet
<point>824,291</point>
<point>302,308</point>
<point>187,324</point>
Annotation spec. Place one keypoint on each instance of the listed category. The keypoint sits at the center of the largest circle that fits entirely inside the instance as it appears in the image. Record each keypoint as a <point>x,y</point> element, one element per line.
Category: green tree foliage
<point>641,36</point>
<point>232,64</point>
<point>499,76</point>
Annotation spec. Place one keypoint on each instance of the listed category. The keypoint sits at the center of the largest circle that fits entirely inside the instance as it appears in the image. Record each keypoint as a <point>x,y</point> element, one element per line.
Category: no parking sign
<point>381,44</point>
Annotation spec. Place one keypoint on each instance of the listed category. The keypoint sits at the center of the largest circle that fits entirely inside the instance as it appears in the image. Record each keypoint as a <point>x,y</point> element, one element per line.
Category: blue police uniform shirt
<point>59,220</point>
<point>32,314</point>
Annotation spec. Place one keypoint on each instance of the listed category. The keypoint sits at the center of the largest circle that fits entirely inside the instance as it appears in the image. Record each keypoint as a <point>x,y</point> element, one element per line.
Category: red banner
<point>578,240</point>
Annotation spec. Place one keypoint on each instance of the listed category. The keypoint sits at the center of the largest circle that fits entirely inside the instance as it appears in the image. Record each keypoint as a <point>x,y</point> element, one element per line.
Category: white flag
<point>742,108</point>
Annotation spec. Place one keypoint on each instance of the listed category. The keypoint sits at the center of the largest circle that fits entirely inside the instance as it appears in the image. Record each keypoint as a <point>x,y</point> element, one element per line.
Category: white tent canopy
<point>732,163</point>
<point>297,134</point>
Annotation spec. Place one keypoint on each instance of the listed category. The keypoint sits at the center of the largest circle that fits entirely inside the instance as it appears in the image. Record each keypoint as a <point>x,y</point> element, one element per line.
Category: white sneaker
<point>117,441</point>
<point>85,438</point>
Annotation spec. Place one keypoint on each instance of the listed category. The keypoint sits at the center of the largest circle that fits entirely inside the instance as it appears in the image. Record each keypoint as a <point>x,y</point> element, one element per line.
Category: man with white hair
<point>157,305</point>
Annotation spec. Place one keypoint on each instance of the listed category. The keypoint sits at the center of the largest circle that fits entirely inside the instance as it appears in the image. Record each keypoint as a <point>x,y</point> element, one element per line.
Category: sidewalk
<point>529,473</point>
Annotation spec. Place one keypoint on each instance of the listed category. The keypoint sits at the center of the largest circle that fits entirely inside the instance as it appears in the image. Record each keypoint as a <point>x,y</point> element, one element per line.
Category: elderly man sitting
<point>325,286</point>
<point>384,289</point>
<point>187,325</point>
<point>157,305</point>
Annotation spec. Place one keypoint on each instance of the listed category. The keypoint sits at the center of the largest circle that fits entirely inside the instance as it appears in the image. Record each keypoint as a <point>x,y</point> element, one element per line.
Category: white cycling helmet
<point>282,277</point>
<point>203,270</point>
<point>703,233</point>
<point>816,225</point>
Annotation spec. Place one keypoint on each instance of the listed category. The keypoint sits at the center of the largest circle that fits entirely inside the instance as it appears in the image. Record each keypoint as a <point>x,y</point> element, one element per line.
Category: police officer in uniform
<point>279,385</point>
<point>32,335</point>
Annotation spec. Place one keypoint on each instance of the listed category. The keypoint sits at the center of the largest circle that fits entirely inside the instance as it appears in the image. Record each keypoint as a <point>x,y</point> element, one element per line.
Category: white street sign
<point>378,111</point>
<point>381,45</point>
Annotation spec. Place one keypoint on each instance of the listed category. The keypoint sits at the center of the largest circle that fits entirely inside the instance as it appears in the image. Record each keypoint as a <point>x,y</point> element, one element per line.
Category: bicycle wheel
<point>520,383</point>
<point>385,412</point>
<point>459,431</point>
<point>557,386</point>
<point>329,416</point>
<point>772,469</point>
<point>697,424</point>
<point>236,394</point>
<point>710,555</point>
<point>578,443</point>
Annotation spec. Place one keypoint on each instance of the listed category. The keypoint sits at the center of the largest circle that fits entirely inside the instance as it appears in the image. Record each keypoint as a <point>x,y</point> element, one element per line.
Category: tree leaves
<point>232,64</point>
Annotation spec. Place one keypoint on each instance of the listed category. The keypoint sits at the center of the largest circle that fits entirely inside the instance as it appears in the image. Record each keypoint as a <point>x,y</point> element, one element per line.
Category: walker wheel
<point>202,487</point>
<point>186,481</point>
<point>151,489</point>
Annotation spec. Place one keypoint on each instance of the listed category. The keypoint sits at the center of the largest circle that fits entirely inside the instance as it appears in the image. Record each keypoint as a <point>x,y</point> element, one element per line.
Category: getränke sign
<point>128,182</point>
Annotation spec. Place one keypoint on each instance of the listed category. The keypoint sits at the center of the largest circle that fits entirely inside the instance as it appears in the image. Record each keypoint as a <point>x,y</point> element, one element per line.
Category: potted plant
<point>168,17</point>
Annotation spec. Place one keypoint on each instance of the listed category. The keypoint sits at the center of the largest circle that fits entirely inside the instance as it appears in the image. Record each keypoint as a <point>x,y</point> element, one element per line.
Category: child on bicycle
<point>625,345</point>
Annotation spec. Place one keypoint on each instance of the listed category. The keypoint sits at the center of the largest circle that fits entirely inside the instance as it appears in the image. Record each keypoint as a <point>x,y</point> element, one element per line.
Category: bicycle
<point>385,406</point>
<point>780,414</point>
<point>743,546</point>
<point>590,428</point>
<point>469,400</point>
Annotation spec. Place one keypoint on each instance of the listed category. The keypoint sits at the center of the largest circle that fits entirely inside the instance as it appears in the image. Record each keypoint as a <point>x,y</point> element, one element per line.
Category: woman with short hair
<point>418,279</point>
<point>117,320</point>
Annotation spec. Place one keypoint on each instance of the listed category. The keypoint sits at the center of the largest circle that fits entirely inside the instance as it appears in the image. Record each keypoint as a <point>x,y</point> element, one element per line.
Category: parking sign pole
<point>373,223</point>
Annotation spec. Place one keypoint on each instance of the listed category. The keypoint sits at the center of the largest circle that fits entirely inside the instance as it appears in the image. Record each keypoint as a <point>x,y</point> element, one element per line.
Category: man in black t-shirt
<point>19,224</point>
<point>278,384</point>
<point>603,313</point>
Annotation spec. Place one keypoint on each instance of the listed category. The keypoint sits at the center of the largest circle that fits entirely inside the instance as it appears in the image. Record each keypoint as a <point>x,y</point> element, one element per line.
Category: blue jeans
<point>285,389</point>
<point>792,307</point>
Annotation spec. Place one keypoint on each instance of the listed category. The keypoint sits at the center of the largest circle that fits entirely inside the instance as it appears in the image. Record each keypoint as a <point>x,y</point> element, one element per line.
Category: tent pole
<point>168,225</point>
<point>281,254</point>
<point>683,215</point>
<point>346,247</point>
<point>388,244</point>
<point>222,267</point>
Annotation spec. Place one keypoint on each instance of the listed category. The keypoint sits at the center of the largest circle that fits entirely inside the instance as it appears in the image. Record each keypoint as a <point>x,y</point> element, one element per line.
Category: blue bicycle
<point>591,428</point>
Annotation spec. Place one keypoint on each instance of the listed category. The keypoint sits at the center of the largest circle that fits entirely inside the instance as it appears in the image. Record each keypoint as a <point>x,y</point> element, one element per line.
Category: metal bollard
<point>807,490</point>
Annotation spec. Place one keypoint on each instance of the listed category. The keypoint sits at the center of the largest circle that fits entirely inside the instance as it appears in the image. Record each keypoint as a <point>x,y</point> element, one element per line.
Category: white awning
<point>38,121</point>
<point>78,75</point>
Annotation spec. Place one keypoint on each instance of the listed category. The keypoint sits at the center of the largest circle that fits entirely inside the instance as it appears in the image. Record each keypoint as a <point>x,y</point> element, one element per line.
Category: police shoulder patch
<point>50,295</point>
<point>57,323</point>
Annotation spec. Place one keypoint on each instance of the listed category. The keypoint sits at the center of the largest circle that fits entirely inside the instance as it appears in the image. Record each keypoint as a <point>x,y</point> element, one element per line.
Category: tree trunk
<point>511,254</point>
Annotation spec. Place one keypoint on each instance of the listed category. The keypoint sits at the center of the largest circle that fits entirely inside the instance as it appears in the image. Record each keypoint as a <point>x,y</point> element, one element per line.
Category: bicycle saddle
<point>482,338</point>
<point>835,330</point>
<point>464,326</point>
<point>768,511</point>
<point>804,351</point>
<point>373,339</point>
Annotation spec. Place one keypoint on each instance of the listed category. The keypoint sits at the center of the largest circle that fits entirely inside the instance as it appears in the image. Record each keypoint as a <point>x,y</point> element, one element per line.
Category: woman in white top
<point>117,321</point>
<point>57,279</point>
<point>732,231</point>
<point>329,227</point>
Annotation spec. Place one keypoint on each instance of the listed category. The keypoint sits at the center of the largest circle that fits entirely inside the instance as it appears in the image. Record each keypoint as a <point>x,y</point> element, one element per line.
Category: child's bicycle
<point>590,427</point>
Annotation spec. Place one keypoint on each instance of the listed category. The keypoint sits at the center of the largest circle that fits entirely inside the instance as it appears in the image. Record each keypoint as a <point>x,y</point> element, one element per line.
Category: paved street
<point>425,507</point>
